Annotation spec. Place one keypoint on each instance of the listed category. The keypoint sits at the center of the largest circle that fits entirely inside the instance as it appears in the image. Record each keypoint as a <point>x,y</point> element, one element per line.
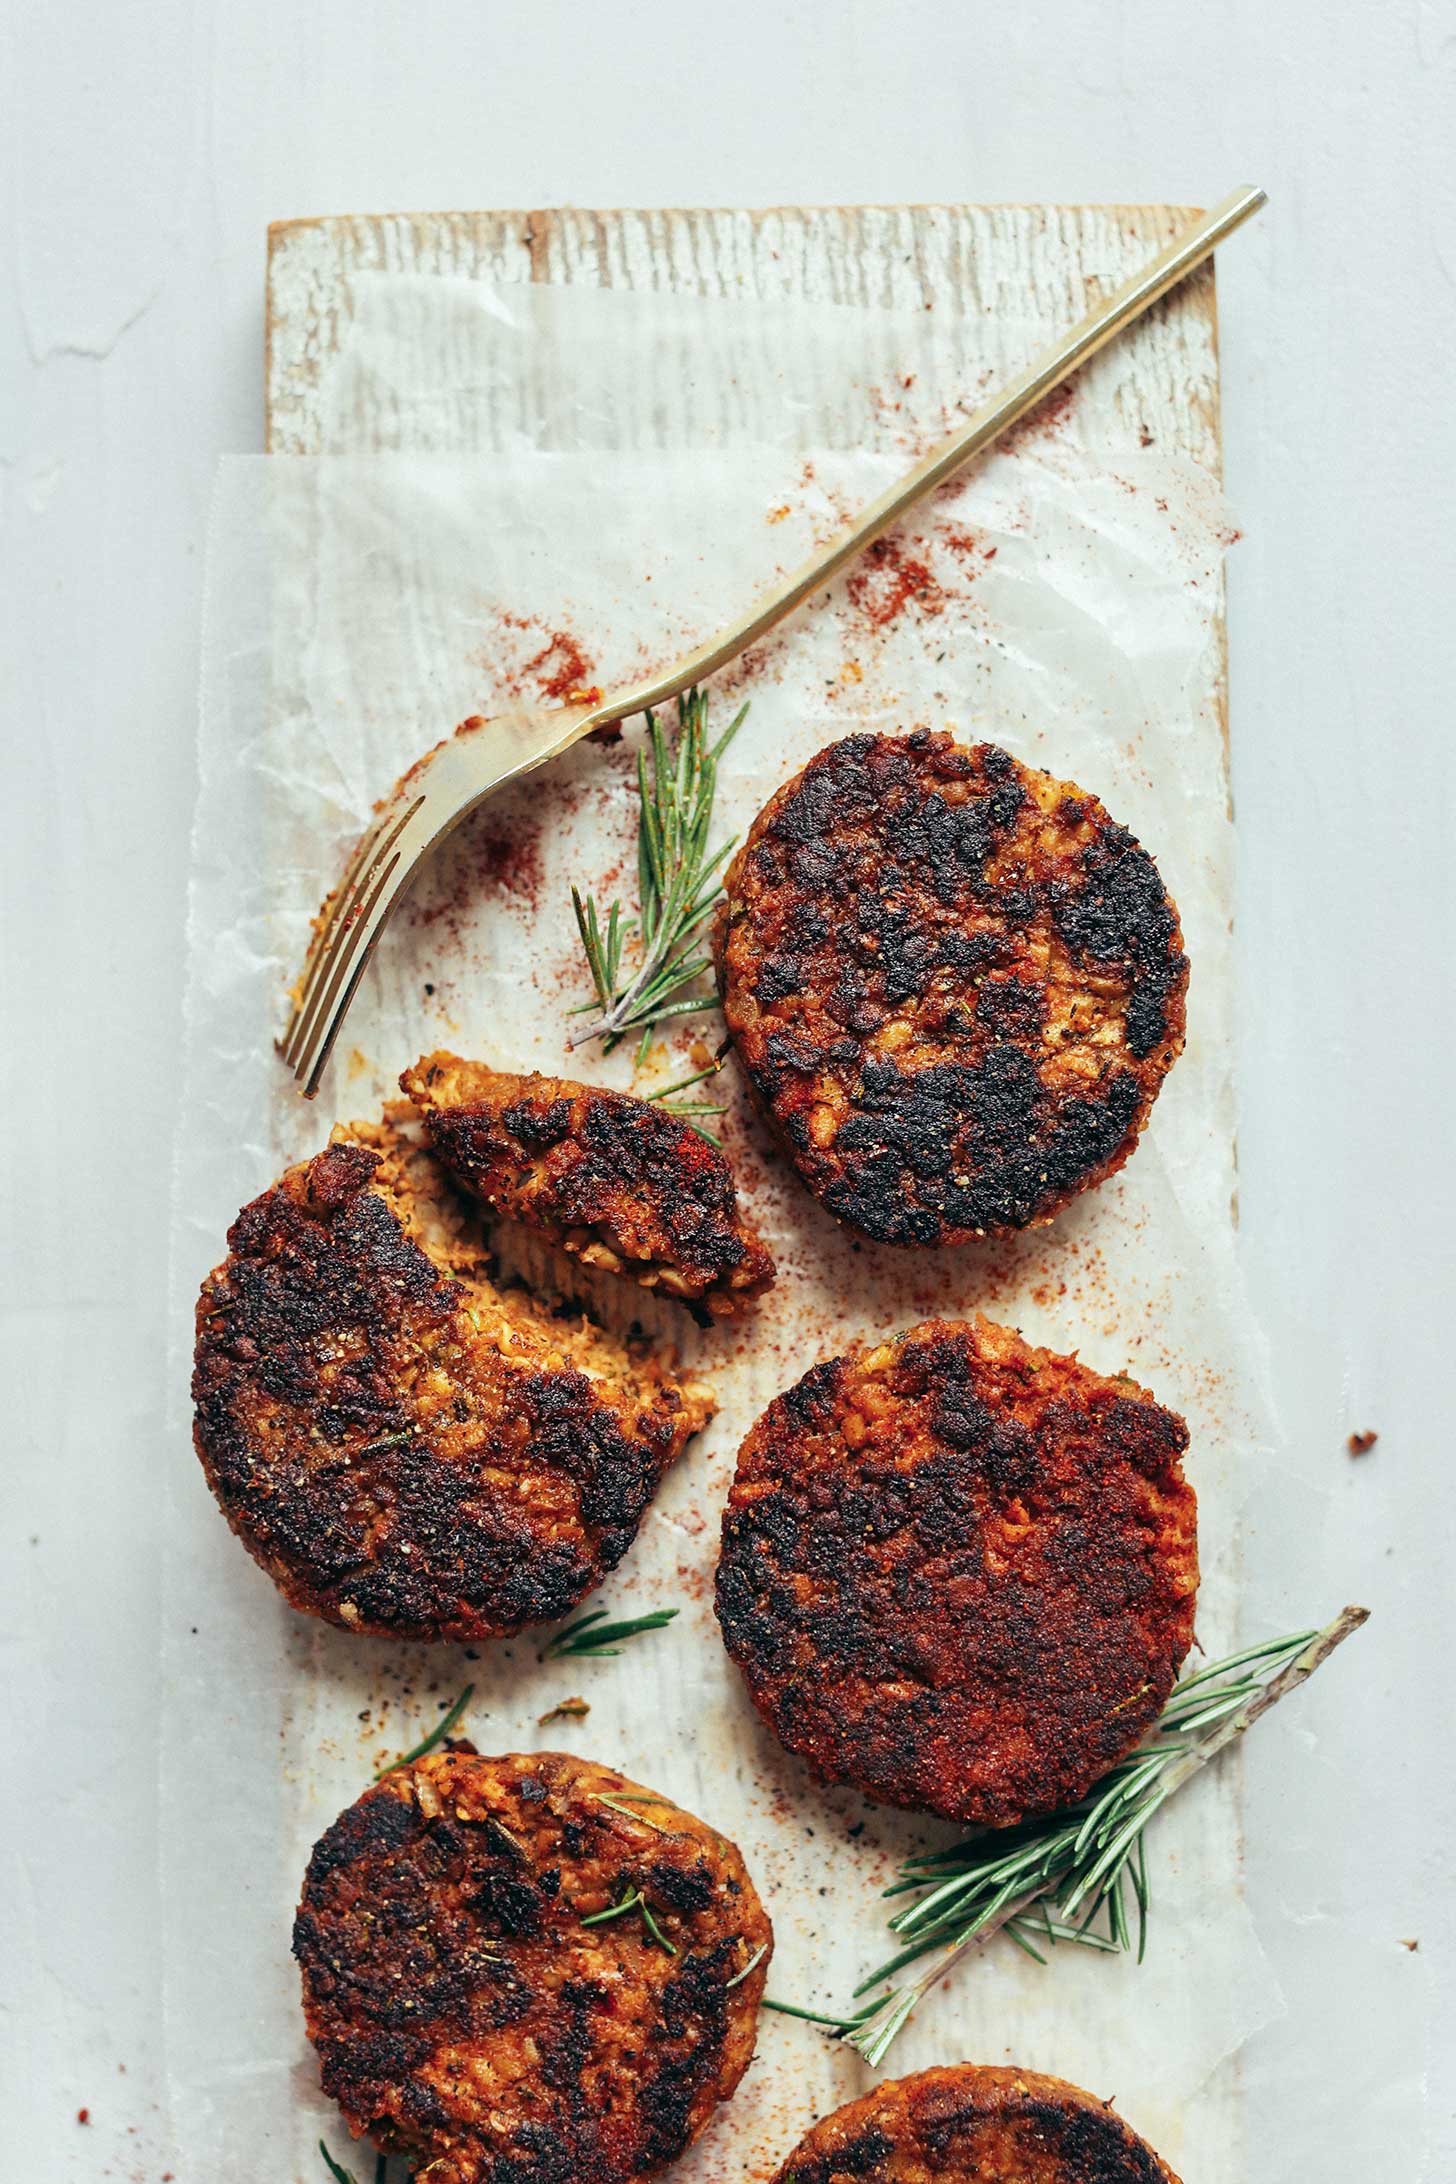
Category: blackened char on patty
<point>616,1181</point>
<point>467,2015</point>
<point>404,1447</point>
<point>955,985</point>
<point>967,2125</point>
<point>959,1573</point>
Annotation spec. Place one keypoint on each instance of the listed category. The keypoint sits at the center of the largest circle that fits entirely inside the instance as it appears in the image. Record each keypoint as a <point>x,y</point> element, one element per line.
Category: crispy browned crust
<point>403,1452</point>
<point>615,1180</point>
<point>463,2013</point>
<point>955,985</point>
<point>967,2125</point>
<point>960,1573</point>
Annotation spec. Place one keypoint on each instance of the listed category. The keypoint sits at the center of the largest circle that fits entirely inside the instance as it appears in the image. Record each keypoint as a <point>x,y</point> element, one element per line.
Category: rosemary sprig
<point>678,883</point>
<point>634,1900</point>
<point>436,1736</point>
<point>1068,1876</point>
<point>591,1639</point>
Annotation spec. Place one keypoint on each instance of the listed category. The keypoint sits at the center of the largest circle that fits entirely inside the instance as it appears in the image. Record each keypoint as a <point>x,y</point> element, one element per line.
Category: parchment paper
<point>624,470</point>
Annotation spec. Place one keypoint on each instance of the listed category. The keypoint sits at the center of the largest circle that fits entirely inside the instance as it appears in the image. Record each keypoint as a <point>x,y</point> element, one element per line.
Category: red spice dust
<point>83,2115</point>
<point>966,546</point>
<point>503,852</point>
<point>512,859</point>
<point>569,678</point>
<point>1050,413</point>
<point>888,579</point>
<point>560,670</point>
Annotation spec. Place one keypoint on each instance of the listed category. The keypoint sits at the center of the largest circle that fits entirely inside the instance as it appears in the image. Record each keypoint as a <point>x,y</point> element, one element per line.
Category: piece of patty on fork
<point>955,985</point>
<point>407,1448</point>
<point>959,1573</point>
<point>616,1181</point>
<point>472,2008</point>
<point>964,2124</point>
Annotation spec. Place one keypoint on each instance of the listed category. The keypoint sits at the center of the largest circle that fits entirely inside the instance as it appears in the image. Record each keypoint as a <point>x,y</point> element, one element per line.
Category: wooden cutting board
<point>1158,384</point>
<point>1161,378</point>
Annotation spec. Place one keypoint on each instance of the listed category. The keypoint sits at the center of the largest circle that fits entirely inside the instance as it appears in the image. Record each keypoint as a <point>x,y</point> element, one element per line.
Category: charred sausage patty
<point>966,2125</point>
<point>959,1573</point>
<point>955,985</point>
<point>616,1181</point>
<point>472,2008</point>
<point>405,1448</point>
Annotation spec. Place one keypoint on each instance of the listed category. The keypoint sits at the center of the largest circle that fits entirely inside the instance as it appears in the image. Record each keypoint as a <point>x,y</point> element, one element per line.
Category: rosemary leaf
<point>645,1910</point>
<point>634,1900</point>
<point>684,1084</point>
<point>814,2017</point>
<point>388,1440</point>
<point>590,1638</point>
<point>615,1910</point>
<point>624,1810</point>
<point>689,1111</point>
<point>436,1736</point>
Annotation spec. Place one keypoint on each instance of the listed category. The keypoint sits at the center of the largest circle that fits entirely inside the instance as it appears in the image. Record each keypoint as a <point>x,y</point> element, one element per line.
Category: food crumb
<point>1411,1945</point>
<point>564,1709</point>
<point>83,2115</point>
<point>1360,1444</point>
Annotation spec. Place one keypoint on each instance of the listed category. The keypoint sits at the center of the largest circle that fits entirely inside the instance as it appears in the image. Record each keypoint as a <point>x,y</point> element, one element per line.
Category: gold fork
<point>429,801</point>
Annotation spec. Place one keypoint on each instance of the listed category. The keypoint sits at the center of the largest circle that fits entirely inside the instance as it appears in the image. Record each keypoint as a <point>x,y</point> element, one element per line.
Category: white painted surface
<point>148,146</point>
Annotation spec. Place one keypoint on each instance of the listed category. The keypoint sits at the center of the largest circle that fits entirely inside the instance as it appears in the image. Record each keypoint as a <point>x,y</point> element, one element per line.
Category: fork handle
<point>1020,394</point>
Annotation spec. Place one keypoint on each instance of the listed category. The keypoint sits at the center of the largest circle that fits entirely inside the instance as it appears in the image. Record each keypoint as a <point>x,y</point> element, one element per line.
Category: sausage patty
<point>616,1181</point>
<point>955,985</point>
<point>960,1573</point>
<point>404,1447</point>
<point>467,2011</point>
<point>966,2125</point>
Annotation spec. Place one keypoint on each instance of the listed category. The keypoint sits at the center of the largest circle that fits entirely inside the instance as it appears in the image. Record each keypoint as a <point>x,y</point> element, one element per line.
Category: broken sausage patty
<point>959,1573</point>
<point>955,985</point>
<point>473,2009</point>
<point>404,1447</point>
<point>966,2125</point>
<point>618,1182</point>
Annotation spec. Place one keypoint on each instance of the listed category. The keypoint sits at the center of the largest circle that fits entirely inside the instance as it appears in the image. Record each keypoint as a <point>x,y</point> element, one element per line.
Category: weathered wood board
<point>1160,380</point>
<point>1162,377</point>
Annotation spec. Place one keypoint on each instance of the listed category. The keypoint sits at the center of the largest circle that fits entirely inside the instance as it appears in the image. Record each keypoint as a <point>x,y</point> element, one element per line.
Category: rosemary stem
<point>873,2032</point>
<point>1299,1671</point>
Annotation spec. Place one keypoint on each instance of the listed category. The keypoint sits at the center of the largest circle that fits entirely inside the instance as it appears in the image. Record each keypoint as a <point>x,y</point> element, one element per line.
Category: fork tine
<point>427,803</point>
<point>350,959</point>
<point>319,941</point>
<point>352,943</point>
<point>346,966</point>
<point>337,932</point>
